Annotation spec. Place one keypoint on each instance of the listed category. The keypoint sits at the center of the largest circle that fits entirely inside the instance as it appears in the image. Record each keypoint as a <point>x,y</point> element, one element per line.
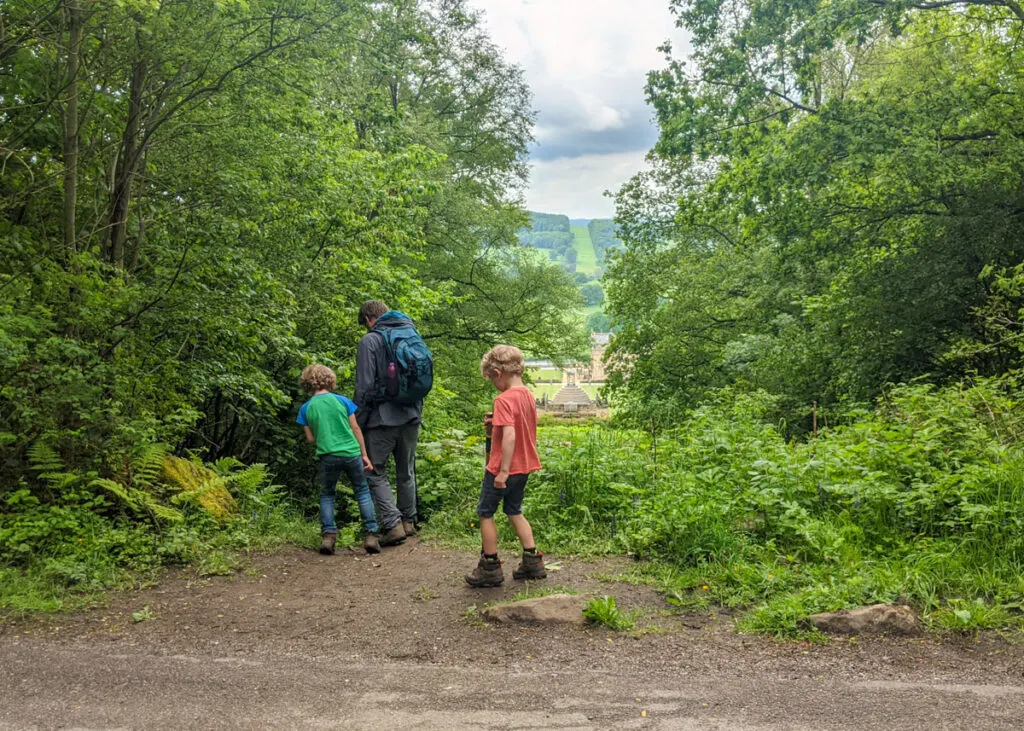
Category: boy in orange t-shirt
<point>513,457</point>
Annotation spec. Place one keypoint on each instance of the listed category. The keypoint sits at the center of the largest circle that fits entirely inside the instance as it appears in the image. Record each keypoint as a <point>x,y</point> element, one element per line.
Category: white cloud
<point>576,186</point>
<point>586,62</point>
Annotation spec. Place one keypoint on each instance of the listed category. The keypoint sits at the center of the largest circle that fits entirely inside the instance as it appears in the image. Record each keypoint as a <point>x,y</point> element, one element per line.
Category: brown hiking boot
<point>372,543</point>
<point>327,541</point>
<point>410,527</point>
<point>532,567</point>
<point>487,573</point>
<point>394,535</point>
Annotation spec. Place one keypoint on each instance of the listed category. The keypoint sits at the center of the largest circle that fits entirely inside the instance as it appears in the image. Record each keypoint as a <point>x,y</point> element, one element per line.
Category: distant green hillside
<point>579,244</point>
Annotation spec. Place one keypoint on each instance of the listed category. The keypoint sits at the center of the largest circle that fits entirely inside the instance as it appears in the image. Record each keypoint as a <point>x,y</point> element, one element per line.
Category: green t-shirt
<point>327,416</point>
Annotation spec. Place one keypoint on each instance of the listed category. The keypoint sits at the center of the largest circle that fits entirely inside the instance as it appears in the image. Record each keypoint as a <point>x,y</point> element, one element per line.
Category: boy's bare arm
<point>309,435</point>
<point>358,434</point>
<point>508,445</point>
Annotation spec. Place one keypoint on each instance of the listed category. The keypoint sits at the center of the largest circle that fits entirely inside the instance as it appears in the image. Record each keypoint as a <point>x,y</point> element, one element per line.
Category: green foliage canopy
<point>837,193</point>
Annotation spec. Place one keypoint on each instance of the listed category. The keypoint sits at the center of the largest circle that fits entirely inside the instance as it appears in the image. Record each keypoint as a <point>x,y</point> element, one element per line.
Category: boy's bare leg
<point>489,536</point>
<point>523,530</point>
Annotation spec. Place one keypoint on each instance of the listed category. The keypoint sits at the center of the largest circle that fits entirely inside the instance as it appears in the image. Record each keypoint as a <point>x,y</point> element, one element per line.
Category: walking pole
<point>488,430</point>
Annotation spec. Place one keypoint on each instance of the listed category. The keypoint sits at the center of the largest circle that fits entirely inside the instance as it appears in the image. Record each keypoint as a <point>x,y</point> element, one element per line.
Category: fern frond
<point>44,458</point>
<point>167,513</point>
<point>59,480</point>
<point>161,511</point>
<point>114,488</point>
<point>249,480</point>
<point>148,464</point>
<point>204,484</point>
<point>225,465</point>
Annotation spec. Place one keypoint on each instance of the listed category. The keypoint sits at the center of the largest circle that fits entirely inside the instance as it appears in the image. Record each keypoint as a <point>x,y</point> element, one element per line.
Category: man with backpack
<point>394,371</point>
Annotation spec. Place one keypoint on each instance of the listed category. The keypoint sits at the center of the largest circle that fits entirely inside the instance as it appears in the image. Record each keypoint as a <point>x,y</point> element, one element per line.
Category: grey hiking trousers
<point>381,443</point>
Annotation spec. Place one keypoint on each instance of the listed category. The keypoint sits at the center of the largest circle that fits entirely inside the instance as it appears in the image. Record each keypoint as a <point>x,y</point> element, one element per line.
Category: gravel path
<point>298,640</point>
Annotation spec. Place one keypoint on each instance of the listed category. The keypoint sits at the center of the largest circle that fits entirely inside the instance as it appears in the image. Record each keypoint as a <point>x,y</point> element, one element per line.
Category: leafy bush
<point>65,535</point>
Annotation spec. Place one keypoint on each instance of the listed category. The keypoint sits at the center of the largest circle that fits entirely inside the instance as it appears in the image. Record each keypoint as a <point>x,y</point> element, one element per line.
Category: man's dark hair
<point>371,310</point>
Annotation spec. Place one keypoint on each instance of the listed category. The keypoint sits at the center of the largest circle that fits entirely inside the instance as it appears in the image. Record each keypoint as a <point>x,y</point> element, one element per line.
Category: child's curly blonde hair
<point>505,358</point>
<point>317,377</point>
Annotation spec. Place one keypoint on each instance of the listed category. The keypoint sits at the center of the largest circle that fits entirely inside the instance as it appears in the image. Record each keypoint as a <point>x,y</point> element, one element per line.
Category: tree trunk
<point>75,31</point>
<point>127,165</point>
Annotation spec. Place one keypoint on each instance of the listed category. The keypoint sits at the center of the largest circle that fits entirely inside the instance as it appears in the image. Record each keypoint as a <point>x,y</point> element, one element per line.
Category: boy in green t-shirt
<point>330,423</point>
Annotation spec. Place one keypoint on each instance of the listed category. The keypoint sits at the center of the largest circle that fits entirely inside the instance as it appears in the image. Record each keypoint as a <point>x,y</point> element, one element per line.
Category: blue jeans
<point>331,468</point>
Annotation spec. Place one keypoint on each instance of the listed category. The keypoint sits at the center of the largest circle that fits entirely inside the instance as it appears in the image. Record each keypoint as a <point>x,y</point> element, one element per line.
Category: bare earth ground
<point>300,640</point>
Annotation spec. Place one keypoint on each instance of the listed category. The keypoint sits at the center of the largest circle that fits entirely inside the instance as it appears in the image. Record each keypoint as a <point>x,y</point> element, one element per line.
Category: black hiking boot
<point>487,573</point>
<point>532,567</point>
<point>327,541</point>
<point>394,535</point>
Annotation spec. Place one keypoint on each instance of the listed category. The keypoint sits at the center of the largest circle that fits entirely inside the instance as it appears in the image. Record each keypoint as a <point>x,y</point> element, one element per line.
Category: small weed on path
<point>423,594</point>
<point>603,611</point>
<point>143,615</point>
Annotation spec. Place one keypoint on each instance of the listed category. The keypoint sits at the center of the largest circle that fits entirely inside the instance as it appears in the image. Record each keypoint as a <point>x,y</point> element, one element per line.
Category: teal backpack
<point>410,369</point>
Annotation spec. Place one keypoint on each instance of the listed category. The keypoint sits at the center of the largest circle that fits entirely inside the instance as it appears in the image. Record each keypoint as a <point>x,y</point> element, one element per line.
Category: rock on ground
<point>890,619</point>
<point>551,609</point>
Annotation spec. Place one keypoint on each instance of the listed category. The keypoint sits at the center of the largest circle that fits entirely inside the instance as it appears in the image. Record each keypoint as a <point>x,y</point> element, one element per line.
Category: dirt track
<point>304,641</point>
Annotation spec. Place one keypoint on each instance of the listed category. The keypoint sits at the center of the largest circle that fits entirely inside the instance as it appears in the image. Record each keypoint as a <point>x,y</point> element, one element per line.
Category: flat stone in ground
<point>889,619</point>
<point>551,609</point>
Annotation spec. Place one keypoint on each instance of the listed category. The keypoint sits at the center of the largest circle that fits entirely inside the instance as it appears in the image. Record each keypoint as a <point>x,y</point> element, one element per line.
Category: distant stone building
<point>571,398</point>
<point>593,372</point>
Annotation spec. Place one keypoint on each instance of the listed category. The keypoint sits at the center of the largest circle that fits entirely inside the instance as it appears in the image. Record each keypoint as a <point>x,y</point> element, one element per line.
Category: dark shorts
<point>511,496</point>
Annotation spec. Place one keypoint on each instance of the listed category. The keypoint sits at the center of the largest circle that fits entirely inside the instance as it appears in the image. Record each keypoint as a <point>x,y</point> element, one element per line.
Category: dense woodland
<point>195,198</point>
<point>836,204</point>
<point>605,235</point>
<point>547,231</point>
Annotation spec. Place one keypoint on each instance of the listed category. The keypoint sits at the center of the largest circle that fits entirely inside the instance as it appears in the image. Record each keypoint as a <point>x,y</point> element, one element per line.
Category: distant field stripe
<point>586,257</point>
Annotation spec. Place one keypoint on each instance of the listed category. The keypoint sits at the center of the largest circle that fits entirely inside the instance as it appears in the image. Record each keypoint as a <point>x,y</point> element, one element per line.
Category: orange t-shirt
<point>515,407</point>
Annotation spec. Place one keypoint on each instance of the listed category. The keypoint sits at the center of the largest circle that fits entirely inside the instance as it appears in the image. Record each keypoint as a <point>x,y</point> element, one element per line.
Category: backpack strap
<point>388,350</point>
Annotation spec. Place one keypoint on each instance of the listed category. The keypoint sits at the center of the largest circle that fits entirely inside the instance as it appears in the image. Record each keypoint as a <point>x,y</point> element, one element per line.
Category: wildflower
<point>705,587</point>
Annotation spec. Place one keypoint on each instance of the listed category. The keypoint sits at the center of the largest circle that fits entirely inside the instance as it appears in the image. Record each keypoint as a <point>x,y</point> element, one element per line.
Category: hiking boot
<point>410,527</point>
<point>532,567</point>
<point>394,535</point>
<point>487,573</point>
<point>327,541</point>
<point>372,543</point>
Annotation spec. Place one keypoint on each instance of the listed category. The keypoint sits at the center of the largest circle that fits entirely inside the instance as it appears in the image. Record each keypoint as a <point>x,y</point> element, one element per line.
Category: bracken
<point>209,488</point>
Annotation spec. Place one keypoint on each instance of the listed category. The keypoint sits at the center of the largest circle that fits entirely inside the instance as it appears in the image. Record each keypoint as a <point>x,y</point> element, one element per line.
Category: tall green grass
<point>921,500</point>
